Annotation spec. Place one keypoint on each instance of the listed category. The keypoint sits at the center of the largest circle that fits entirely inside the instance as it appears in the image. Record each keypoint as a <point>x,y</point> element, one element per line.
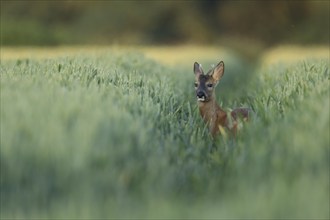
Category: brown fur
<point>210,111</point>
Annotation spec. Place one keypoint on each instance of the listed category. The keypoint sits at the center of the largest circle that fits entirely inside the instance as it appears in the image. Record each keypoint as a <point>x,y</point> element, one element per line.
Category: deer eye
<point>196,84</point>
<point>210,85</point>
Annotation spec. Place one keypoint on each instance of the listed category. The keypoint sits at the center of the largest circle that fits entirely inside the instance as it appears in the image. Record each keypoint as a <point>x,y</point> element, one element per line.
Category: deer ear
<point>198,69</point>
<point>218,71</point>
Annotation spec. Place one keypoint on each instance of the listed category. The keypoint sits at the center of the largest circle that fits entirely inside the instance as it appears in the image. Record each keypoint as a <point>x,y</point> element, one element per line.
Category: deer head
<point>205,83</point>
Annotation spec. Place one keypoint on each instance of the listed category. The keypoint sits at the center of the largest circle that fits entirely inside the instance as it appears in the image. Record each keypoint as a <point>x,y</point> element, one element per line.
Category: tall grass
<point>119,135</point>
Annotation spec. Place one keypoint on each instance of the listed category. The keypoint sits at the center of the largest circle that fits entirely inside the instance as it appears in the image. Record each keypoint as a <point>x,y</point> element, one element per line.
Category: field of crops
<point>113,133</point>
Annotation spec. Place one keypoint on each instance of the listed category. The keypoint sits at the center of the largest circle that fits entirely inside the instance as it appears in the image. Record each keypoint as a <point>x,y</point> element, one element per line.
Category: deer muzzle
<point>201,96</point>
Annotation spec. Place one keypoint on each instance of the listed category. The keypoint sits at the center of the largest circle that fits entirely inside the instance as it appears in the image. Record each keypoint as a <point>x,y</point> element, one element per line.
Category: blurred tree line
<point>163,22</point>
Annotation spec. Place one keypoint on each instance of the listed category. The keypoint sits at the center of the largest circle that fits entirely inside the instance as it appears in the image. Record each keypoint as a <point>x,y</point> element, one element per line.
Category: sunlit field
<point>114,132</point>
<point>291,54</point>
<point>168,54</point>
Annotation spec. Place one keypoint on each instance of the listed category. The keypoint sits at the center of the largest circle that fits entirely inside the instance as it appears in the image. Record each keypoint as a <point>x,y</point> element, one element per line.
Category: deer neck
<point>213,115</point>
<point>210,110</point>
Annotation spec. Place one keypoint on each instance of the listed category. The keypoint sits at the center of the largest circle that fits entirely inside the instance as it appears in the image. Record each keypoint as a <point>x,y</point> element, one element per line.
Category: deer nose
<point>200,94</point>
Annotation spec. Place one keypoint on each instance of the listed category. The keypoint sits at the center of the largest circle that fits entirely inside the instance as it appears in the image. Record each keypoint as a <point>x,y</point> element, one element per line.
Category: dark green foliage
<point>164,22</point>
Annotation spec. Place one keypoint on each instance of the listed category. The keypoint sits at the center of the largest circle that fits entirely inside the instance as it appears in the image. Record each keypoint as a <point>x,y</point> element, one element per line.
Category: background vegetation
<point>264,23</point>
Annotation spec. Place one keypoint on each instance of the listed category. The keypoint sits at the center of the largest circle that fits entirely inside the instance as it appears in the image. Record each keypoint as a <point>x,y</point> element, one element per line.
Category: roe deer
<point>211,112</point>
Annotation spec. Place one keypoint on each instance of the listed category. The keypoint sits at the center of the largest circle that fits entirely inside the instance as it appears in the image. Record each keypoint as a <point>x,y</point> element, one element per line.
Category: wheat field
<point>112,132</point>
